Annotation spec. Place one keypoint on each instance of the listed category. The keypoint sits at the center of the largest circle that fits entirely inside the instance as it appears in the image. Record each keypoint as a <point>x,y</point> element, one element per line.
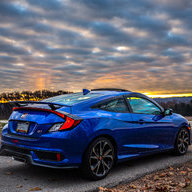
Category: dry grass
<point>1,126</point>
<point>172,179</point>
<point>189,118</point>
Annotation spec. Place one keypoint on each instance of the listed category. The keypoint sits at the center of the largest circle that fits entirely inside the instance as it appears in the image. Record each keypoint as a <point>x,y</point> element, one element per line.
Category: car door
<point>153,130</point>
<point>119,121</point>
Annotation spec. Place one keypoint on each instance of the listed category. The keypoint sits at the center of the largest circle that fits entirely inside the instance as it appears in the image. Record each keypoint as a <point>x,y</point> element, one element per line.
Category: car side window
<point>144,106</point>
<point>116,105</point>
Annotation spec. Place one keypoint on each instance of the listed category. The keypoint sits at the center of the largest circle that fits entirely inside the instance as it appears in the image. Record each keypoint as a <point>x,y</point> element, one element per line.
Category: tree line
<point>184,109</point>
<point>29,95</point>
<point>5,98</point>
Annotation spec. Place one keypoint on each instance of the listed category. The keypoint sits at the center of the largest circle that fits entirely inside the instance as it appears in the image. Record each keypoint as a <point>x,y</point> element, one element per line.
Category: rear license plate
<point>22,127</point>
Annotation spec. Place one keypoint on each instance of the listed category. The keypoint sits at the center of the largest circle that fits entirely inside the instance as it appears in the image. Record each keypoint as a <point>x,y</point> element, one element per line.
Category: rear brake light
<point>69,123</point>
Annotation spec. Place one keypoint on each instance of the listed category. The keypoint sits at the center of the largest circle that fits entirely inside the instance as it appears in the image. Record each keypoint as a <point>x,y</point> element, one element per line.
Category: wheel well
<point>110,139</point>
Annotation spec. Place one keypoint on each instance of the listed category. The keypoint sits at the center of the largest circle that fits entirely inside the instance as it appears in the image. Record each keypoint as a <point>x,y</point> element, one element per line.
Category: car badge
<point>24,115</point>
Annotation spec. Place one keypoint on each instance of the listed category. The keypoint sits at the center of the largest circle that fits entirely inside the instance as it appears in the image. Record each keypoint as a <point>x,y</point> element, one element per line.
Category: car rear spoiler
<point>53,106</point>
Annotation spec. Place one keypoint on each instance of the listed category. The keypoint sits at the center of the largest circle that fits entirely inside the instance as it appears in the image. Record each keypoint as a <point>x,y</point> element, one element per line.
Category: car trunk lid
<point>33,119</point>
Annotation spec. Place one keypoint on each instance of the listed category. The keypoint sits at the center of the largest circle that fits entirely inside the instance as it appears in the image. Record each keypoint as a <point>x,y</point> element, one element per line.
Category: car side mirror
<point>168,112</point>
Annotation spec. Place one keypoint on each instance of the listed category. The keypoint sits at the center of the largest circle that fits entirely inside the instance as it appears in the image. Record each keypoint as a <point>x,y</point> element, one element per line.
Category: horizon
<point>149,94</point>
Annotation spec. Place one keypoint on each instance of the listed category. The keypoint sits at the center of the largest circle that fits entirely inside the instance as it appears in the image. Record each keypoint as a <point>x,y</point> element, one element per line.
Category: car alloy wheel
<point>182,142</point>
<point>101,158</point>
<point>98,159</point>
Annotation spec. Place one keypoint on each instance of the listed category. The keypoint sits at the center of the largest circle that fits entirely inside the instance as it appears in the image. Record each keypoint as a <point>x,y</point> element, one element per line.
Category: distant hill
<point>181,105</point>
<point>174,100</point>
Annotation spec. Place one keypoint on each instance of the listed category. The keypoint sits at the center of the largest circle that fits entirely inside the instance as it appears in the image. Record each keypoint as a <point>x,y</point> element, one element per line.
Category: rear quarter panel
<point>99,122</point>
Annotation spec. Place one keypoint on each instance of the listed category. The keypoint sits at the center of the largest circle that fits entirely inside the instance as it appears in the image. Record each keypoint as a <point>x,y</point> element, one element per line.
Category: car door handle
<point>141,121</point>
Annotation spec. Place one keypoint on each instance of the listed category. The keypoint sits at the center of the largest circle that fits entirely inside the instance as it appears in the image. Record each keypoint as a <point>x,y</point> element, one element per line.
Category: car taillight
<point>70,122</point>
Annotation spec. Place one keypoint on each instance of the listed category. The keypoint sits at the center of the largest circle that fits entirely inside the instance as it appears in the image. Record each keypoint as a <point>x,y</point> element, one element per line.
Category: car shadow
<point>50,174</point>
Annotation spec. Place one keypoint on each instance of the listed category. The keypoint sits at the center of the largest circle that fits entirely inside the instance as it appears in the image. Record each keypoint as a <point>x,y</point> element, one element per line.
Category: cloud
<point>142,45</point>
<point>47,5</point>
<point>11,49</point>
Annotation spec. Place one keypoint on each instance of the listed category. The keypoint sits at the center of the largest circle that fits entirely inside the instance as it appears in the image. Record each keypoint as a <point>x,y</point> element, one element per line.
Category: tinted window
<point>73,98</point>
<point>140,105</point>
<point>117,105</point>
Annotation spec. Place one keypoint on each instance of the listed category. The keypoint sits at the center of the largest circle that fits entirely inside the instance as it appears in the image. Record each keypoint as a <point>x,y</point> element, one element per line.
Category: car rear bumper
<point>30,156</point>
<point>43,151</point>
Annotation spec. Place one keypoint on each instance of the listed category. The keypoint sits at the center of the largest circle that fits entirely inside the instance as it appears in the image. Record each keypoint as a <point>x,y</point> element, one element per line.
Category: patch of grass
<point>1,126</point>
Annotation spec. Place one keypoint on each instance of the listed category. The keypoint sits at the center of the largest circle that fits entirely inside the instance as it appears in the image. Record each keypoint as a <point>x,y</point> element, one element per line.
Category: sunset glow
<point>169,95</point>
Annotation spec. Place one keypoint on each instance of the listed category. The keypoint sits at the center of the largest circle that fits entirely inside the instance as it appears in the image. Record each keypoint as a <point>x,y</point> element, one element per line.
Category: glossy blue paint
<point>133,135</point>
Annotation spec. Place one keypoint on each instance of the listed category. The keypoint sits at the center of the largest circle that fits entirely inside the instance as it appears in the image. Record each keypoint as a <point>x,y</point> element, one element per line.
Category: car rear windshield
<point>70,99</point>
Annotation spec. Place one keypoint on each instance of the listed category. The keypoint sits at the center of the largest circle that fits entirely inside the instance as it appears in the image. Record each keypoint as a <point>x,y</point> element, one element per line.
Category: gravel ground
<point>16,177</point>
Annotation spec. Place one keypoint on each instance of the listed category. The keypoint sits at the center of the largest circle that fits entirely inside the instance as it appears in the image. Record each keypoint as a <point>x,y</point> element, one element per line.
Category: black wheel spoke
<point>104,171</point>
<point>105,164</point>
<point>94,157</point>
<point>180,140</point>
<point>105,144</point>
<point>107,152</point>
<point>100,149</point>
<point>93,167</point>
<point>95,152</point>
<point>99,163</point>
<point>184,147</point>
<point>107,156</point>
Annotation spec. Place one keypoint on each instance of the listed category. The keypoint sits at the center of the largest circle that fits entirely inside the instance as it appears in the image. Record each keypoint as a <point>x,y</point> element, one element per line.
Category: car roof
<point>102,95</point>
<point>111,92</point>
<point>107,94</point>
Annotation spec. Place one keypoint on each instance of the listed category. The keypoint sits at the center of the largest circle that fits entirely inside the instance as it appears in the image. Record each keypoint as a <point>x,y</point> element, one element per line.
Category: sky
<point>140,45</point>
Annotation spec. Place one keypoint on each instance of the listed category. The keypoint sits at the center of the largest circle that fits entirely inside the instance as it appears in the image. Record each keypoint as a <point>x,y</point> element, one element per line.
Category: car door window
<point>117,105</point>
<point>144,106</point>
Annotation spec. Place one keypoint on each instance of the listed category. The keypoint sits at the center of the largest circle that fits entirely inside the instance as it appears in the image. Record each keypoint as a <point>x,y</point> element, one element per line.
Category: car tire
<point>98,159</point>
<point>182,142</point>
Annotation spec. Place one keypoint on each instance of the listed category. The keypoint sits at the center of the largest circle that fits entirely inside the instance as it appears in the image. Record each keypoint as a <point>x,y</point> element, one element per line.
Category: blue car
<point>92,130</point>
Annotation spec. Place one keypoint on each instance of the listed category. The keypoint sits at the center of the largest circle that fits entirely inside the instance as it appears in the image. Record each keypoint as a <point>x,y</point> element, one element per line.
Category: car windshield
<point>70,99</point>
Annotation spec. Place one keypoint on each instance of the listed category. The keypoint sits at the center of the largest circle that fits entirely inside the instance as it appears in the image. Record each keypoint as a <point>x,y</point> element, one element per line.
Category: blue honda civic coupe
<point>92,130</point>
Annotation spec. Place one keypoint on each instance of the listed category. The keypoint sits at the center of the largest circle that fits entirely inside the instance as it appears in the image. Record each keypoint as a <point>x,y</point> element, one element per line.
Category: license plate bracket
<point>22,127</point>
